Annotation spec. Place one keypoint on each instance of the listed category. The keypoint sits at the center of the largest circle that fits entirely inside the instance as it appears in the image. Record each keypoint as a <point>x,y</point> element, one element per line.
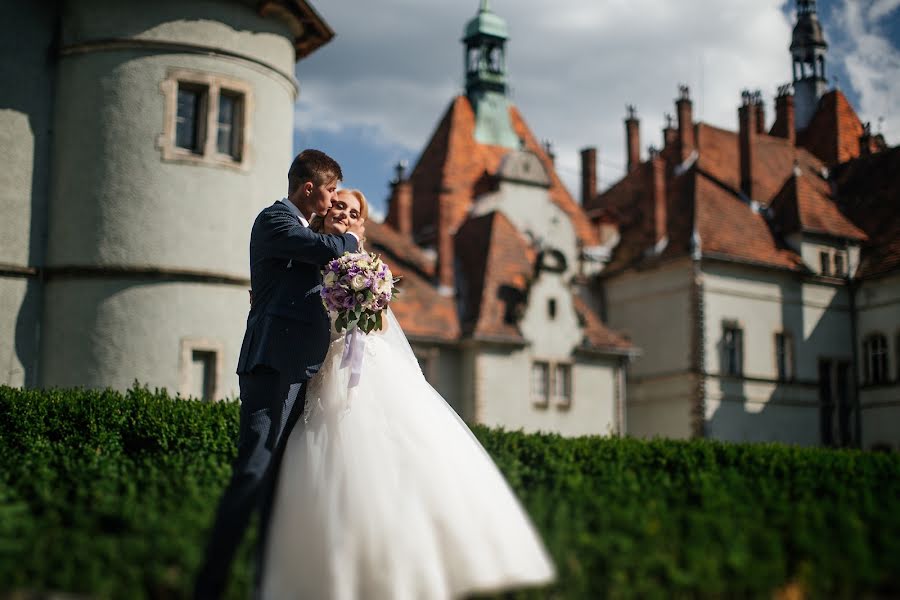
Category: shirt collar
<point>296,211</point>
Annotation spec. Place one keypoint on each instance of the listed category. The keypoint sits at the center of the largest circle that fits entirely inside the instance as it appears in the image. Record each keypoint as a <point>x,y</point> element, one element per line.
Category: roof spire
<point>808,49</point>
<point>485,63</point>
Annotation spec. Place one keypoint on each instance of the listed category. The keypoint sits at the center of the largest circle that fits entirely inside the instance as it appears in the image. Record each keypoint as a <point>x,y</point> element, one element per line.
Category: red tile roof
<point>869,193</point>
<point>421,310</point>
<point>453,164</point>
<point>598,336</point>
<point>805,204</point>
<point>834,131</point>
<point>495,267</point>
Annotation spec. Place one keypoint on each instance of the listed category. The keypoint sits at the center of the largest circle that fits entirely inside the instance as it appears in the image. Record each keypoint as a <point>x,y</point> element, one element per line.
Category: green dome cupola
<point>485,64</point>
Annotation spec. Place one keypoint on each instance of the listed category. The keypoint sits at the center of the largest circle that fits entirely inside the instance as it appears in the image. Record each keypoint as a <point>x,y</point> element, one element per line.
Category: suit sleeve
<point>284,237</point>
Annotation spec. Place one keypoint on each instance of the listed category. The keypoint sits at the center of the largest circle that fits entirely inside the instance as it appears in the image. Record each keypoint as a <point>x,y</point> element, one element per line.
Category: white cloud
<point>881,9</point>
<point>871,61</point>
<point>573,65</point>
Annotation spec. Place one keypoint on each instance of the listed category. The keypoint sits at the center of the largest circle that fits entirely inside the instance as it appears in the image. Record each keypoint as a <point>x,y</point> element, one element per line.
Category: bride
<point>384,492</point>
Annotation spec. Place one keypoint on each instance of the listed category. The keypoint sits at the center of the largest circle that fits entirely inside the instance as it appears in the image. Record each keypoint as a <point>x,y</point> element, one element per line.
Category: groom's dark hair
<point>315,166</point>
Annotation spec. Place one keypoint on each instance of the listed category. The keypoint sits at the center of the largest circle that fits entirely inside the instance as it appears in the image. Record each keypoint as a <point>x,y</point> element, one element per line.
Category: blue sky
<point>374,94</point>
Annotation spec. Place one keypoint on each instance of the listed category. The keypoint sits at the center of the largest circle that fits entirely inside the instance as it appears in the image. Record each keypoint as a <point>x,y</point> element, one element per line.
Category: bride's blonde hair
<point>318,223</point>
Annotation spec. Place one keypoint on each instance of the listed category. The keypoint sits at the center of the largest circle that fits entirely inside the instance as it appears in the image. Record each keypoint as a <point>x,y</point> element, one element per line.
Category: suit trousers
<point>270,407</point>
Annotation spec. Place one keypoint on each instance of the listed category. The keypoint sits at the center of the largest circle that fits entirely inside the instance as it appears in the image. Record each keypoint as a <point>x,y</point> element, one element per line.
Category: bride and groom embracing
<point>367,489</point>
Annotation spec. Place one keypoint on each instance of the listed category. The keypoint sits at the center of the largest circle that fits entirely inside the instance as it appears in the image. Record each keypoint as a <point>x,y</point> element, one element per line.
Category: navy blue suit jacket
<point>288,329</point>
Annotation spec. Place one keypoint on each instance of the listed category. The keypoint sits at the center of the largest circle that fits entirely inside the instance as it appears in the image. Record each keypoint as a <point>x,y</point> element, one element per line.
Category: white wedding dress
<point>385,493</point>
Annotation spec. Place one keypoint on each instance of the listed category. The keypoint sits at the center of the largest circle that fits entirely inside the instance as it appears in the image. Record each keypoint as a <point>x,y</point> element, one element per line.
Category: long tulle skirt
<point>384,493</point>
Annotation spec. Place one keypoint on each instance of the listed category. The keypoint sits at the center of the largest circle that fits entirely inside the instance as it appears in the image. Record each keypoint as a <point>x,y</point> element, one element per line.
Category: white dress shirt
<point>296,211</point>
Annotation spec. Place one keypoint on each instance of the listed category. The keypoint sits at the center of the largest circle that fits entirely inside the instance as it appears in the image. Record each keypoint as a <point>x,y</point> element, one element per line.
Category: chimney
<point>657,182</point>
<point>446,255</point>
<point>632,138</point>
<point>685,122</point>
<point>865,140</point>
<point>760,114</point>
<point>400,209</point>
<point>747,133</point>
<point>670,134</point>
<point>784,115</point>
<point>588,175</point>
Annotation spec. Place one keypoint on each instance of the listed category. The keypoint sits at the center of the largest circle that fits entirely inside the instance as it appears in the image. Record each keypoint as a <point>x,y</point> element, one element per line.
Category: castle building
<point>759,270</point>
<point>139,141</point>
<point>493,252</point>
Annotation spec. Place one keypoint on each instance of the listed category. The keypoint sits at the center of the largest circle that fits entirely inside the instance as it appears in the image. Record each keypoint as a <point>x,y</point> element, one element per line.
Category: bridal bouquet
<point>358,287</point>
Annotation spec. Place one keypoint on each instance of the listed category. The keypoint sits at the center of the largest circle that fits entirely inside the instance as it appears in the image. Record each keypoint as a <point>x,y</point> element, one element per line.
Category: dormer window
<point>824,263</point>
<point>839,269</point>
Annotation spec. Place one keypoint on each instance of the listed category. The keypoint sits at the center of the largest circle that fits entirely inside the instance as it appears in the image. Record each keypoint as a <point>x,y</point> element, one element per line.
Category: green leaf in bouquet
<point>378,320</point>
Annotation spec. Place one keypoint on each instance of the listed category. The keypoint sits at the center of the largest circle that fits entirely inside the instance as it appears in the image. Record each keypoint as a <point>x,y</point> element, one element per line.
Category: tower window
<point>551,308</point>
<point>200,368</point>
<point>189,118</point>
<point>206,119</point>
<point>203,374</point>
<point>229,126</point>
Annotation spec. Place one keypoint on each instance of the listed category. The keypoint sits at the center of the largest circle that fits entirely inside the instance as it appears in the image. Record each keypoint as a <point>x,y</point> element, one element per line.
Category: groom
<point>286,341</point>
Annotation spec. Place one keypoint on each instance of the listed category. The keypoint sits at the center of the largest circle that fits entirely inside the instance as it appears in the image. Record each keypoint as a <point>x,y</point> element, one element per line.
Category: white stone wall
<point>115,332</point>
<point>654,309</point>
<point>502,374</point>
<point>115,203</point>
<point>758,407</point>
<point>532,212</point>
<point>505,400</point>
<point>26,113</point>
<point>878,306</point>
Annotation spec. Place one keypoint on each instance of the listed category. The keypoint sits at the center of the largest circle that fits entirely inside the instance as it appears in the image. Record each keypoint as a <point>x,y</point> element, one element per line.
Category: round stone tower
<point>159,130</point>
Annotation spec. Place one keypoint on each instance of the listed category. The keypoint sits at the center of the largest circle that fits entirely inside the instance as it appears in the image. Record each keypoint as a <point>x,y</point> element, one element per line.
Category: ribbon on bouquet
<point>354,348</point>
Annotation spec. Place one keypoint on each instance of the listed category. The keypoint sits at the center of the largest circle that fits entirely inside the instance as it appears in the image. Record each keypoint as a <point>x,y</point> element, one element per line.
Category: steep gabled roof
<point>730,228</point>
<point>805,204</point>
<point>454,165</point>
<point>833,132</point>
<point>495,265</point>
<point>869,193</point>
<point>420,309</point>
<point>597,336</point>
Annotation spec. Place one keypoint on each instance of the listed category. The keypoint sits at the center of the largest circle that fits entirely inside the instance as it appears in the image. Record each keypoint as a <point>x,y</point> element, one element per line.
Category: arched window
<point>875,355</point>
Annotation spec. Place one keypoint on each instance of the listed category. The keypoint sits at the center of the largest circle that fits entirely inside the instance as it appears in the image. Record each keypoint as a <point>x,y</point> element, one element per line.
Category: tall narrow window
<point>203,374</point>
<point>229,126</point>
<point>540,383</point>
<point>732,349</point>
<point>551,308</point>
<point>784,356</point>
<point>844,408</point>
<point>562,385</point>
<point>826,403</point>
<point>190,118</point>
<point>875,358</point>
<point>825,263</point>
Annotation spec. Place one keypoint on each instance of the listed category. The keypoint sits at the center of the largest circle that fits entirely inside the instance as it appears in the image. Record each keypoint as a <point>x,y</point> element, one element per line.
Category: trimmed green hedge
<point>110,495</point>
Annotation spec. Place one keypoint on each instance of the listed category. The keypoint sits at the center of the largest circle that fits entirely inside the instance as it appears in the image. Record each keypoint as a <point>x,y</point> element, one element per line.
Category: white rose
<point>358,282</point>
<point>330,278</point>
